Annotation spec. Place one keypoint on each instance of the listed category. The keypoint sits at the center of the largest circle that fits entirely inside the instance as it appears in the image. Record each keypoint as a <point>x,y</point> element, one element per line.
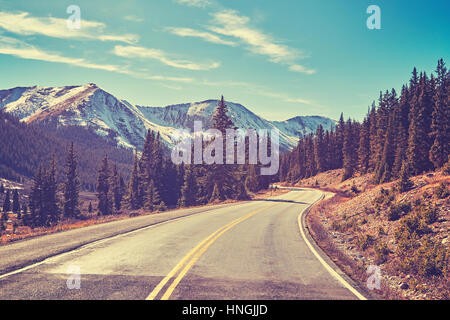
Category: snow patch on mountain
<point>91,106</point>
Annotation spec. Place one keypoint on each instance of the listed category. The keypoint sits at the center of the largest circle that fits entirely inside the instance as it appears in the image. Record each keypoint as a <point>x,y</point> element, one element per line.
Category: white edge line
<point>322,261</point>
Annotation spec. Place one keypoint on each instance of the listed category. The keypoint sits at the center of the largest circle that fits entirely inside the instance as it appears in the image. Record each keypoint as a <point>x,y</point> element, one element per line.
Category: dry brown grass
<point>344,224</point>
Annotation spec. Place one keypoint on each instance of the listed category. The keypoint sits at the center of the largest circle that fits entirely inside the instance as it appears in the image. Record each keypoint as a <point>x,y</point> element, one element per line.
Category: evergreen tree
<point>373,137</point>
<point>221,176</point>
<point>384,167</point>
<point>419,142</point>
<point>90,209</point>
<point>2,189</point>
<point>26,219</point>
<point>117,189</point>
<point>251,182</point>
<point>7,202</point>
<point>36,209</point>
<point>189,189</point>
<point>340,133</point>
<point>152,199</point>
<point>349,151</point>
<point>440,126</point>
<point>49,196</point>
<point>133,186</point>
<point>402,126</point>
<point>404,183</point>
<point>364,146</point>
<point>319,150</point>
<point>71,186</point>
<point>103,188</point>
<point>15,203</point>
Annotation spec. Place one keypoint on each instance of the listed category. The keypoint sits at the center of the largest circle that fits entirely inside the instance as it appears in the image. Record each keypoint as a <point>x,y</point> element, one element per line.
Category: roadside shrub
<point>416,225</point>
<point>442,192</point>
<point>430,214</point>
<point>398,210</point>
<point>446,169</point>
<point>381,253</point>
<point>384,197</point>
<point>336,225</point>
<point>431,259</point>
<point>354,189</point>
<point>365,241</point>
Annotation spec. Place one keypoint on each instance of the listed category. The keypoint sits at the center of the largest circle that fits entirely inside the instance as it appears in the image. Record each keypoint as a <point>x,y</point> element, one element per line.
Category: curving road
<point>251,250</point>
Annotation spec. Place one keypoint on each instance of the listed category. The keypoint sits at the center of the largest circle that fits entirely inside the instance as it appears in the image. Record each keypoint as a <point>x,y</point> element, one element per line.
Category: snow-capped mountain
<point>91,106</point>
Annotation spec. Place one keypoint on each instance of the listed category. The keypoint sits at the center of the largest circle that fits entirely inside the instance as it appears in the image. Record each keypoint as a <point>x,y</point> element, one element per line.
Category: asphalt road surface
<point>252,250</point>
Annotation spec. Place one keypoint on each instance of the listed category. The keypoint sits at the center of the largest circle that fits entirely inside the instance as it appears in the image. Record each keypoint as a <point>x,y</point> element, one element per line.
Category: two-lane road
<point>252,250</point>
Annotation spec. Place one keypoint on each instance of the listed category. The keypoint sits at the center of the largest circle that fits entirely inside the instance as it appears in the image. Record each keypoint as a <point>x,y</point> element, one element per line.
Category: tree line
<point>155,183</point>
<point>402,135</point>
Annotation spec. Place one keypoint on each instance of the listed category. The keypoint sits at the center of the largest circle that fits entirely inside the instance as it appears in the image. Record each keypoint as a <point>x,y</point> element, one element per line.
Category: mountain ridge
<point>90,105</point>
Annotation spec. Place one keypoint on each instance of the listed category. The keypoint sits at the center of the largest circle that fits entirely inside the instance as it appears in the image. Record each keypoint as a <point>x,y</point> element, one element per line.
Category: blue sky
<point>279,58</point>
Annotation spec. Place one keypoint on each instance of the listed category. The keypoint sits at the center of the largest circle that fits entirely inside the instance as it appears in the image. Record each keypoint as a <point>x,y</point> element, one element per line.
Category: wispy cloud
<point>156,54</point>
<point>24,24</point>
<point>259,90</point>
<point>230,23</point>
<point>133,18</point>
<point>301,69</point>
<point>195,3</point>
<point>18,48</point>
<point>207,36</point>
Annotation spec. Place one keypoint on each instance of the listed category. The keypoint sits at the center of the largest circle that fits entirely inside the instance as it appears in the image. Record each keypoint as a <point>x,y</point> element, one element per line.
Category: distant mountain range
<point>93,107</point>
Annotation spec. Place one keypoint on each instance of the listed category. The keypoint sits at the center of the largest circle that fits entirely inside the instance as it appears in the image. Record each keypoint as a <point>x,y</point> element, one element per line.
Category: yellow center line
<point>196,253</point>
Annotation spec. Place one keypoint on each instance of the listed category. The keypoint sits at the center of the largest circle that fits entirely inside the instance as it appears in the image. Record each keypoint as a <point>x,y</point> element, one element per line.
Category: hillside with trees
<point>23,147</point>
<point>410,130</point>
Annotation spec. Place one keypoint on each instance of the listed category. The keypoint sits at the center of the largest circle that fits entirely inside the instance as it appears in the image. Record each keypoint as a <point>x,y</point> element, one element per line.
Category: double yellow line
<point>191,258</point>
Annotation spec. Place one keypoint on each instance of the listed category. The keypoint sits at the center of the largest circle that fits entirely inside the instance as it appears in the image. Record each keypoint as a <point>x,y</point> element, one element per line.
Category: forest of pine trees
<point>155,183</point>
<point>402,135</point>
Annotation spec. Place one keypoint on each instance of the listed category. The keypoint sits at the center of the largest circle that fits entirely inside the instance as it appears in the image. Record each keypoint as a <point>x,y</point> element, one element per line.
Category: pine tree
<point>383,171</point>
<point>103,188</point>
<point>221,176</point>
<point>364,146</point>
<point>251,182</point>
<point>90,209</point>
<point>35,203</point>
<point>133,186</point>
<point>49,196</point>
<point>349,150</point>
<point>402,126</point>
<point>117,189</point>
<point>71,186</point>
<point>2,189</point>
<point>340,133</point>
<point>440,119</point>
<point>190,189</point>
<point>26,219</point>
<point>419,142</point>
<point>15,203</point>
<point>373,137</point>
<point>152,199</point>
<point>319,149</point>
<point>7,202</point>
<point>404,183</point>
